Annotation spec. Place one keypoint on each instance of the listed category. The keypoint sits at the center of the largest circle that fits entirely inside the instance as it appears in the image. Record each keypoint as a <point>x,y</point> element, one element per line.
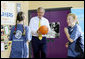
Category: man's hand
<point>39,33</point>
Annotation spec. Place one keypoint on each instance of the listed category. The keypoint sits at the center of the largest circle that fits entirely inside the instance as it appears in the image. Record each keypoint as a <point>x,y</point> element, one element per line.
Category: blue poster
<point>80,15</point>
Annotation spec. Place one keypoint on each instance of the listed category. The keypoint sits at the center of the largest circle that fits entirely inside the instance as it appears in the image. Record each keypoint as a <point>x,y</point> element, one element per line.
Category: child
<point>20,37</point>
<point>74,36</point>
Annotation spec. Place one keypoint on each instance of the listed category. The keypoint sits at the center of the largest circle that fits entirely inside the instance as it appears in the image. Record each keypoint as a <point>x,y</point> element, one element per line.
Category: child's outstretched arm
<point>67,34</point>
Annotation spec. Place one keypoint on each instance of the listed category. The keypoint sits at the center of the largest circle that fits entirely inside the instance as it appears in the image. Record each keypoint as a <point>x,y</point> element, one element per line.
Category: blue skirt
<point>19,49</point>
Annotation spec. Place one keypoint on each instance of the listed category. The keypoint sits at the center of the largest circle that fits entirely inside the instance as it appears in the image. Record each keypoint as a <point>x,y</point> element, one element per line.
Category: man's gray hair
<point>40,9</point>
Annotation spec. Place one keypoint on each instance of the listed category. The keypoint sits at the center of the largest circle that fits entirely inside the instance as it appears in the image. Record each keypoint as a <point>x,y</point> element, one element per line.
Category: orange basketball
<point>43,29</point>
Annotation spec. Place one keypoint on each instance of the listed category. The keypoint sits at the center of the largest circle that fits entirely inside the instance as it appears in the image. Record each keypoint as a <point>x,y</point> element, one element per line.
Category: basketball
<point>43,29</point>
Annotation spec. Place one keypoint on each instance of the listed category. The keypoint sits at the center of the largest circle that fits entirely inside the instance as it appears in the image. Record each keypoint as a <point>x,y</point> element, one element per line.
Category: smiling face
<point>71,20</point>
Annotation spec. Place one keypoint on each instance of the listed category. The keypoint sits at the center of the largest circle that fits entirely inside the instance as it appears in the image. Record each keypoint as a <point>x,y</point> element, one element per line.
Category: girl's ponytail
<point>77,22</point>
<point>15,28</point>
<point>20,17</point>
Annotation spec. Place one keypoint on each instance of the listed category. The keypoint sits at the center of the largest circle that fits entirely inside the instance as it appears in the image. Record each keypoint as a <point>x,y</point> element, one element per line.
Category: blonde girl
<point>74,36</point>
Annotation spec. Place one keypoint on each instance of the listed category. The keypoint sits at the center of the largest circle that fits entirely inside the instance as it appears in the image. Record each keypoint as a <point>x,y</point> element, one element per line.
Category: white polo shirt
<point>34,25</point>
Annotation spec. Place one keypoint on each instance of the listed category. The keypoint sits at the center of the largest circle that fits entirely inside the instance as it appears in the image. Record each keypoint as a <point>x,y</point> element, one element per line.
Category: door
<point>55,46</point>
